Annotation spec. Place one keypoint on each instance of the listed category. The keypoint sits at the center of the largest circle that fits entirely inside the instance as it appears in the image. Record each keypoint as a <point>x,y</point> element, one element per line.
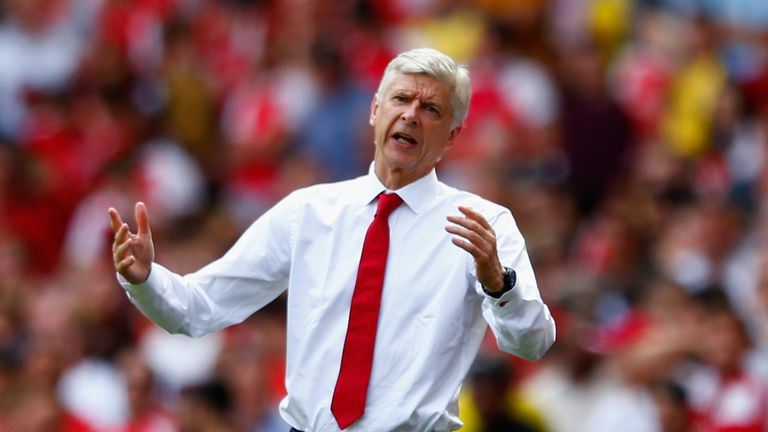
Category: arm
<point>518,318</point>
<point>249,276</point>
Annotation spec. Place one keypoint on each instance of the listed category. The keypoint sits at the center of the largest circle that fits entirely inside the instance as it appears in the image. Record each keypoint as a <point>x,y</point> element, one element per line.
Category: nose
<point>410,113</point>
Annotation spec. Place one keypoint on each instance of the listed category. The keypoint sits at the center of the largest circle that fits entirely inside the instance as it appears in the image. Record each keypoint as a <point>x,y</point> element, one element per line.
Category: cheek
<point>440,144</point>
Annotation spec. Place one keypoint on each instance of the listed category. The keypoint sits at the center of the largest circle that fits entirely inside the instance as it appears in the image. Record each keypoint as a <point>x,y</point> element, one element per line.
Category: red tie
<point>357,359</point>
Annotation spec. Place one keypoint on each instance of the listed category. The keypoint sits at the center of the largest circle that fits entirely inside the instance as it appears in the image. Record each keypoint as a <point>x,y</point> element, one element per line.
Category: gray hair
<point>437,65</point>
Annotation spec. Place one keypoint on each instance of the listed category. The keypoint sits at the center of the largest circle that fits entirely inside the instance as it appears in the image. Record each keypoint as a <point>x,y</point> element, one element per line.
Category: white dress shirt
<point>433,311</point>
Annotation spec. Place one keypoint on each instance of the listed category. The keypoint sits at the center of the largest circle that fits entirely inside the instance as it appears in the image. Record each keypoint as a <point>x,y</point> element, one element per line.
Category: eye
<point>432,109</point>
<point>398,98</point>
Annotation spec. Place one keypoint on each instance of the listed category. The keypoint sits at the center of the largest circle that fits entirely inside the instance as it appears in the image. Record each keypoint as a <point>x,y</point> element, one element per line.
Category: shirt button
<point>503,303</point>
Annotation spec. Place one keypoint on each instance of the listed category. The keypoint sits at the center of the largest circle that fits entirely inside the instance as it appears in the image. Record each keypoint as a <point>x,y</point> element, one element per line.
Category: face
<point>412,127</point>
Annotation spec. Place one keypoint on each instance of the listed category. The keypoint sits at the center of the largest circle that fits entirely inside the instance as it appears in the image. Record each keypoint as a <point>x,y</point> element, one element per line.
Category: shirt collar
<point>416,195</point>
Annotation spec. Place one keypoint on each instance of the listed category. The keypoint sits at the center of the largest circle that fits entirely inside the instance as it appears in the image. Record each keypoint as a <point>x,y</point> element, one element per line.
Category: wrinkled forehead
<point>420,84</point>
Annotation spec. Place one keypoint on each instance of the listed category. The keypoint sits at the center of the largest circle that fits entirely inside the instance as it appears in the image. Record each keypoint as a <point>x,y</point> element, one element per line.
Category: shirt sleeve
<point>227,291</point>
<point>519,319</point>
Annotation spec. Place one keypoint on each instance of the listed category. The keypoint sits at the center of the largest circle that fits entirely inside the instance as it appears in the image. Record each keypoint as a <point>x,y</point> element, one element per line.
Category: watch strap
<point>510,279</point>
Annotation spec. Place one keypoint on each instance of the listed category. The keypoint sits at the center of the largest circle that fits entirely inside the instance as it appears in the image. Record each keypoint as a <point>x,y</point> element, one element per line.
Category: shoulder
<point>322,198</point>
<point>457,197</point>
<point>323,194</point>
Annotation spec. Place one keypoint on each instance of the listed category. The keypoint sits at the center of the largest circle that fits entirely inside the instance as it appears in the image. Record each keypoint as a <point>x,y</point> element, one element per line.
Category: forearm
<point>252,273</point>
<point>520,320</point>
<point>201,302</point>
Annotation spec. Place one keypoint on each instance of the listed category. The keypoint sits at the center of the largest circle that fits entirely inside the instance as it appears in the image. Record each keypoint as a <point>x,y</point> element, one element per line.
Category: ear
<point>449,142</point>
<point>374,108</point>
<point>454,133</point>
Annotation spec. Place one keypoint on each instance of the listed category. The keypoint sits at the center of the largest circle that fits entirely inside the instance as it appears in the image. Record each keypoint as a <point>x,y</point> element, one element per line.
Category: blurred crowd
<point>629,138</point>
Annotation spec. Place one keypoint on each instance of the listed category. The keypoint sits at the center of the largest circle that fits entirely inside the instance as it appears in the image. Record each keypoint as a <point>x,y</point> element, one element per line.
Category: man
<point>386,309</point>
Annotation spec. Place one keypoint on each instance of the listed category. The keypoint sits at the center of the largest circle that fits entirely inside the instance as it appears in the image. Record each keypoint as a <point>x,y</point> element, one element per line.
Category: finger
<point>121,234</point>
<point>481,252</point>
<point>467,246</point>
<point>473,237</point>
<point>122,250</point>
<point>114,219</point>
<point>474,226</point>
<point>125,264</point>
<point>475,216</point>
<point>142,218</point>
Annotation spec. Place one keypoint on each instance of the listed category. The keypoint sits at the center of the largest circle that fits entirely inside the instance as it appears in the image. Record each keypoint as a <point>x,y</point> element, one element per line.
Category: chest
<point>423,265</point>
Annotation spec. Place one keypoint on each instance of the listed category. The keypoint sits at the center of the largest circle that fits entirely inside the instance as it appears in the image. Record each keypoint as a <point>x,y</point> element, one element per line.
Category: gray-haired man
<point>392,277</point>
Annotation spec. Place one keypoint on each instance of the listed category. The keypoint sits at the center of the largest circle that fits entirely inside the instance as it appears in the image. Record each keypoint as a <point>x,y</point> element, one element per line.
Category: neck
<point>394,179</point>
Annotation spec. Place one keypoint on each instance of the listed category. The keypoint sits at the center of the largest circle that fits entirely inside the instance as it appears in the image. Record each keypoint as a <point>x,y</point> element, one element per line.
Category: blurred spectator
<point>252,365</point>
<point>729,391</point>
<point>146,412</point>
<point>206,407</point>
<point>41,45</point>
<point>94,394</point>
<point>694,92</point>
<point>644,69</point>
<point>31,410</point>
<point>510,128</point>
<point>493,401</point>
<point>595,130</point>
<point>694,248</point>
<point>331,136</point>
<point>672,407</point>
<point>191,104</point>
<point>566,387</point>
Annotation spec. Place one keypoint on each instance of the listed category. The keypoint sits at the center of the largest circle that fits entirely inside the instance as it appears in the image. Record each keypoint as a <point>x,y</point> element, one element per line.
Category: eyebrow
<point>432,100</point>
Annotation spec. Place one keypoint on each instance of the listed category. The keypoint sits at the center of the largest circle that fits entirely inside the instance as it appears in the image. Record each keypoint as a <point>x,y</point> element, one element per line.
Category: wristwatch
<point>510,278</point>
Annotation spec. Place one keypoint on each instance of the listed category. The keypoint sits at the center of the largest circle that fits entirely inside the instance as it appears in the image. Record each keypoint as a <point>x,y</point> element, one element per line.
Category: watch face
<point>510,278</point>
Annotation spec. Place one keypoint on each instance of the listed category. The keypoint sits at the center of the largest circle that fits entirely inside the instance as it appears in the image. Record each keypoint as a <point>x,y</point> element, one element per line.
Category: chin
<point>399,161</point>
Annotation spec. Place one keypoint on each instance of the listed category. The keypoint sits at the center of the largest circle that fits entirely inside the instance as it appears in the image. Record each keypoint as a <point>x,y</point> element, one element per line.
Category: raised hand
<point>132,254</point>
<point>477,237</point>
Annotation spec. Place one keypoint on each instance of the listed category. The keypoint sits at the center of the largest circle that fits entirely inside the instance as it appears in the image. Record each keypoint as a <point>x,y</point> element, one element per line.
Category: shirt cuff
<point>142,289</point>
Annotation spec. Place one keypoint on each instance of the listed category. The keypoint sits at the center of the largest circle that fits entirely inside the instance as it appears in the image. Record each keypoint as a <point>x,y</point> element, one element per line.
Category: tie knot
<point>388,203</point>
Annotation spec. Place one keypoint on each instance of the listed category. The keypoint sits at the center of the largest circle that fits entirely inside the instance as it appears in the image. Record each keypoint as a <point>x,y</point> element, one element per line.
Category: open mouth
<point>404,138</point>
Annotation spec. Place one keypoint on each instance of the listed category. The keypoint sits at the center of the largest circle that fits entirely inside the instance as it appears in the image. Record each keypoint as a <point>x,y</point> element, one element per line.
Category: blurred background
<point>629,138</point>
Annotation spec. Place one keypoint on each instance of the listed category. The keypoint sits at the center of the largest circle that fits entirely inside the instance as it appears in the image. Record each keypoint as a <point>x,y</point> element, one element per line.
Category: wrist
<point>508,279</point>
<point>497,284</point>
